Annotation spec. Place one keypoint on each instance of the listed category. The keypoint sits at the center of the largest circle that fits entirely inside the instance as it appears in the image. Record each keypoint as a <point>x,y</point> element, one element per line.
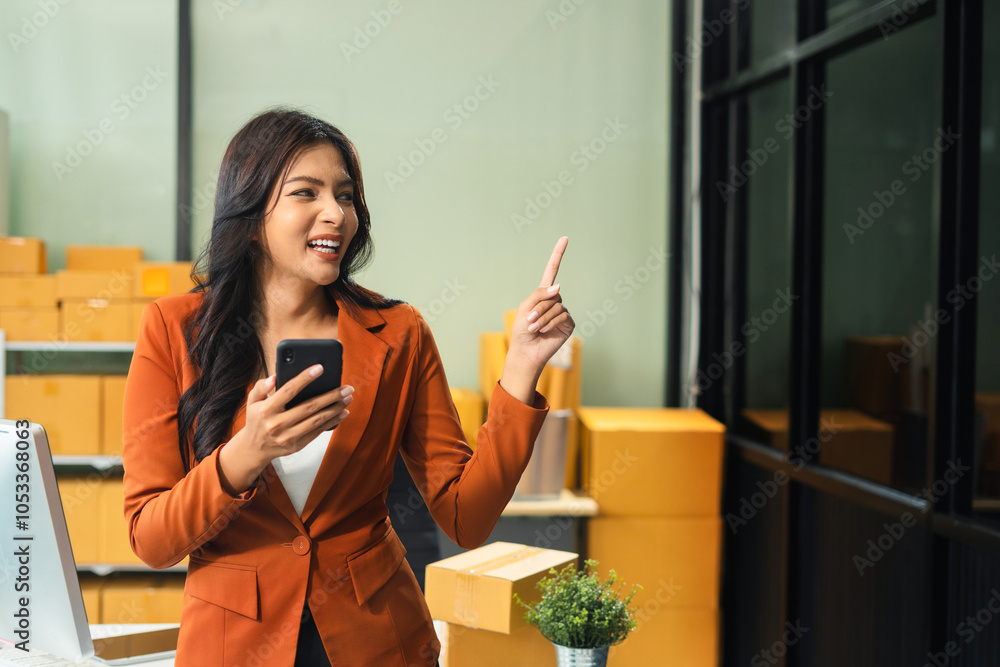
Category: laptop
<point>45,622</point>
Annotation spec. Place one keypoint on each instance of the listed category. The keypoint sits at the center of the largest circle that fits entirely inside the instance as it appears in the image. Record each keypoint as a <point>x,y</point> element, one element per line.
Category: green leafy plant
<point>577,610</point>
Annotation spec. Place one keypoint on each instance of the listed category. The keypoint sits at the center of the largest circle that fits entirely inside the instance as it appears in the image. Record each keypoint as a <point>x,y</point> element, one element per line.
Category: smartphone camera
<point>289,355</point>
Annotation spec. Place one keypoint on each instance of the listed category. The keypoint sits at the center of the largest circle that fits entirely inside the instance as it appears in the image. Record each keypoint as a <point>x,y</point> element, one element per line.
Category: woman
<point>293,559</point>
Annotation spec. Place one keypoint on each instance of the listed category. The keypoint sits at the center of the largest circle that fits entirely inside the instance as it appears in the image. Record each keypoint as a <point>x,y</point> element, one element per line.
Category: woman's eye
<point>306,192</point>
<point>347,196</point>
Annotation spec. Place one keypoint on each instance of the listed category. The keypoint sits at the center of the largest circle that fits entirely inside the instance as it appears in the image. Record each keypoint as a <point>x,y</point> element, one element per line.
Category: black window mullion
<point>807,274</point>
<point>716,149</point>
<point>952,435</point>
<point>737,263</point>
<point>678,165</point>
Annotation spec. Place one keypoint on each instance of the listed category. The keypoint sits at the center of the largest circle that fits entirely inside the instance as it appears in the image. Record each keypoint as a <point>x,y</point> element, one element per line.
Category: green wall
<point>91,92</point>
<point>560,74</point>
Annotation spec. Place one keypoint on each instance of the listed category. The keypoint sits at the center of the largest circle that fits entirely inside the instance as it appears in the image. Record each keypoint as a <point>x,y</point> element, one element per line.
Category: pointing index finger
<point>552,268</point>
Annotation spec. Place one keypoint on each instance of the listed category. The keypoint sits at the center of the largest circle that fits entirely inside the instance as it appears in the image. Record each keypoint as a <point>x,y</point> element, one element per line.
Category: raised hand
<point>542,323</point>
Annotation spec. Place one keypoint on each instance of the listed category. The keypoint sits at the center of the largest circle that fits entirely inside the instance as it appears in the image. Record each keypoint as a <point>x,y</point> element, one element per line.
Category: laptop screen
<point>41,606</point>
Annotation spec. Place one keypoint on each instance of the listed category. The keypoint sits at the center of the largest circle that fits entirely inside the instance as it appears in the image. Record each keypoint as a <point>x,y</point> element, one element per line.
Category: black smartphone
<point>296,355</point>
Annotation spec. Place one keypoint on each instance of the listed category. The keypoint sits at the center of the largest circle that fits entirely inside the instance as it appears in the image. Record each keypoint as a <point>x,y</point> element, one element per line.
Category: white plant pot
<point>581,657</point>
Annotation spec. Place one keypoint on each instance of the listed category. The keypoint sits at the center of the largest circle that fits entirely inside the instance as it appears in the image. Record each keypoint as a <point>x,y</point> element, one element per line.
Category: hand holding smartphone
<point>296,355</point>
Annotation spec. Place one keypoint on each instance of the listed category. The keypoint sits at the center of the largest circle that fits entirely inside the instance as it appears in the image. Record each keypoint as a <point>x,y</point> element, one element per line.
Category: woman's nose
<point>333,211</point>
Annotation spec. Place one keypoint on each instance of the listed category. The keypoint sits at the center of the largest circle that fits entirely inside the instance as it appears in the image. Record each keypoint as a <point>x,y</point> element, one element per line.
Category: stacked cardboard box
<point>559,382</point>
<point>99,296</point>
<point>472,593</point>
<point>471,412</point>
<point>657,476</point>
<point>82,414</point>
<point>153,280</point>
<point>27,296</point>
<point>142,599</point>
<point>95,517</point>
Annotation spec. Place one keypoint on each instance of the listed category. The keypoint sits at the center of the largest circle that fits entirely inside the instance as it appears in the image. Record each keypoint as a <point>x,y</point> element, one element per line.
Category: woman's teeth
<point>329,247</point>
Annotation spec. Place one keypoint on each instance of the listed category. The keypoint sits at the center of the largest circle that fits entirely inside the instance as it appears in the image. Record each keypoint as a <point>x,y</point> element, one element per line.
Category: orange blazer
<point>254,561</point>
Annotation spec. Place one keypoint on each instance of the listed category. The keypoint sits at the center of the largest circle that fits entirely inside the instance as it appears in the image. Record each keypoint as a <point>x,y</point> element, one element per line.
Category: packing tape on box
<point>467,582</point>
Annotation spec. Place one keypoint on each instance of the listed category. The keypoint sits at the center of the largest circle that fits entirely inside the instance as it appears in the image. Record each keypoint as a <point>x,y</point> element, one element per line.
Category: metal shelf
<point>79,464</point>
<point>67,346</point>
<point>103,569</point>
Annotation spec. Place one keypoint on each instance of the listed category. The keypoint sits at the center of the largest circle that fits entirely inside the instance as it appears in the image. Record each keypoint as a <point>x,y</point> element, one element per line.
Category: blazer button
<point>301,544</point>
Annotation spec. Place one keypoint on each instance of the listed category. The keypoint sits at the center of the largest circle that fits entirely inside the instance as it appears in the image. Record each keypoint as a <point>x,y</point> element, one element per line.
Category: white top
<point>297,471</point>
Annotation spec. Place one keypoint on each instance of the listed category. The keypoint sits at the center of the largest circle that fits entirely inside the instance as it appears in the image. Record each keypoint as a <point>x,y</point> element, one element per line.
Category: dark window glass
<point>838,10</point>
<point>766,329</point>
<point>882,157</point>
<point>987,427</point>
<point>772,29</point>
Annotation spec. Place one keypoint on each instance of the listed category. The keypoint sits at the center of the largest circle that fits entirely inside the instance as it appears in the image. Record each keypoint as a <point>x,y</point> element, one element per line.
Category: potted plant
<point>580,615</point>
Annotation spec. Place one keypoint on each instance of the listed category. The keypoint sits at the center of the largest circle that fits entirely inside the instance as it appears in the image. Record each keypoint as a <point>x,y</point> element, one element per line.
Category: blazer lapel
<point>365,355</point>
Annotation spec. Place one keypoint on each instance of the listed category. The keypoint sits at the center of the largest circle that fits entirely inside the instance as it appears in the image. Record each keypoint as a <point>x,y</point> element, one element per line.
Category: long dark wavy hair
<point>222,335</point>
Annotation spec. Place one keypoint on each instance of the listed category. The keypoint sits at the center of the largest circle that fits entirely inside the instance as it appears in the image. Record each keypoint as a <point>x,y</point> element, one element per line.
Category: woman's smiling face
<point>312,219</point>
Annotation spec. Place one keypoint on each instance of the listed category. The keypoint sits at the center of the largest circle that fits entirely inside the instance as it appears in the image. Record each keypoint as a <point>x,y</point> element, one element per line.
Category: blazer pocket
<point>227,585</point>
<point>372,567</point>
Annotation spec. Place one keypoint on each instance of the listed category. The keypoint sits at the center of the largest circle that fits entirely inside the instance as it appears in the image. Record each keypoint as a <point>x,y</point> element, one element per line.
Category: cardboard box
<point>682,637</point>
<point>468,647</point>
<point>143,599</point>
<point>28,291</point>
<point>851,441</point>
<point>652,461</point>
<point>474,589</point>
<point>492,354</point>
<point>110,286</point>
<point>156,279</point>
<point>135,307</point>
<point>22,255</point>
<point>872,380</point>
<point>90,587</point>
<point>112,398</point>
<point>121,258</point>
<point>81,501</point>
<point>95,320</point>
<point>676,561</point>
<point>471,412</point>
<point>32,324</point>
<point>68,406</point>
<point>112,527</point>
<point>989,476</point>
